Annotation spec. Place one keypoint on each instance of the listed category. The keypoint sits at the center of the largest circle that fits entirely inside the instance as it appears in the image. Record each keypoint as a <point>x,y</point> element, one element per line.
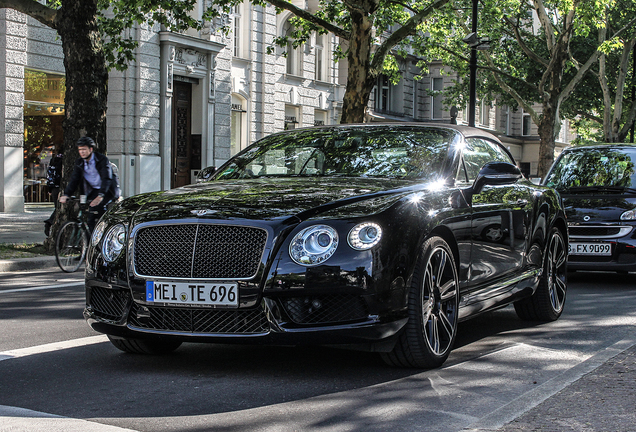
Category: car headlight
<point>114,242</point>
<point>98,233</point>
<point>364,236</point>
<point>629,215</point>
<point>314,245</point>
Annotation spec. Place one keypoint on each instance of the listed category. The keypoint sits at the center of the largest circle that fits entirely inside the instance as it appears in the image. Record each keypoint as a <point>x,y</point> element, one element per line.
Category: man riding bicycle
<point>93,175</point>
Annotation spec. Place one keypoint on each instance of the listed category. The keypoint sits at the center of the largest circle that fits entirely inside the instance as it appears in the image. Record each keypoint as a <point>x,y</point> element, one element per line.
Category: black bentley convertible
<point>380,237</point>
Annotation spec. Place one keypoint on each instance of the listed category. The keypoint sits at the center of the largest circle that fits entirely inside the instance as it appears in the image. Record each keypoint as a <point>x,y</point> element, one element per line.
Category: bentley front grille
<point>201,321</point>
<point>203,251</point>
<point>108,304</point>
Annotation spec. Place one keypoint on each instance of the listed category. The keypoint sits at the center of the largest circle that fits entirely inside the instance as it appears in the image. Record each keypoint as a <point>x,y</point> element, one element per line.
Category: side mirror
<point>496,173</point>
<point>205,174</point>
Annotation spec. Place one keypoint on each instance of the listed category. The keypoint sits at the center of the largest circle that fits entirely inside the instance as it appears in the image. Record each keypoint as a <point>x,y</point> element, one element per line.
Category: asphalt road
<point>51,363</point>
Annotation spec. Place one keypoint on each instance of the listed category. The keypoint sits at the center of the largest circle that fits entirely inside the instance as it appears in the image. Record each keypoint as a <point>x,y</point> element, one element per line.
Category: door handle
<point>522,202</point>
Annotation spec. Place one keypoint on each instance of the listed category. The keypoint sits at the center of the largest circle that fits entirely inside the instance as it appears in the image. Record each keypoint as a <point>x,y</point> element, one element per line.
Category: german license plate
<point>192,293</point>
<point>599,249</point>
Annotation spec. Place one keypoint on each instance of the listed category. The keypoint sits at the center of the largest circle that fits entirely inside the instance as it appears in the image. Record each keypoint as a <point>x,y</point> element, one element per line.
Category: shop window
<point>43,134</point>
<point>238,133</point>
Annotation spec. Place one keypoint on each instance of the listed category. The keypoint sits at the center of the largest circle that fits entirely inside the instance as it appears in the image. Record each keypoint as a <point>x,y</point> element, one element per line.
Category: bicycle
<point>72,239</point>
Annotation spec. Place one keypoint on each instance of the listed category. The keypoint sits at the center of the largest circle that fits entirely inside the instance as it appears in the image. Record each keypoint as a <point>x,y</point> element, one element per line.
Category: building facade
<point>194,99</point>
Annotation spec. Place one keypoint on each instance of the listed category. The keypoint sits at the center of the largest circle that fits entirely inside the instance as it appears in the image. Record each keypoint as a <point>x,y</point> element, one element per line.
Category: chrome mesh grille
<point>325,309</point>
<point>192,320</point>
<point>199,251</point>
<point>107,303</point>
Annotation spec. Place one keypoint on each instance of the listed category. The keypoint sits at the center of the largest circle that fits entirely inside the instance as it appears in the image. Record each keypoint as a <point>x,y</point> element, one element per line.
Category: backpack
<point>115,179</point>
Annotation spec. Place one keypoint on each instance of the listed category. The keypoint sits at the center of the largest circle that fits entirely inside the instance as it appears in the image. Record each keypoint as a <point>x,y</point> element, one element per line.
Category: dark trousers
<point>94,213</point>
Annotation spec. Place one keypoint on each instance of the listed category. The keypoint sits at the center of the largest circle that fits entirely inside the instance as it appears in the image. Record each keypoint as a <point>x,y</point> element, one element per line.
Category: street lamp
<point>475,43</point>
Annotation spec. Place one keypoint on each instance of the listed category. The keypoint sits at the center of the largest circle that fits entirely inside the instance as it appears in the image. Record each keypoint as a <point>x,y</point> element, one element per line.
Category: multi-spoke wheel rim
<point>439,302</point>
<point>557,272</point>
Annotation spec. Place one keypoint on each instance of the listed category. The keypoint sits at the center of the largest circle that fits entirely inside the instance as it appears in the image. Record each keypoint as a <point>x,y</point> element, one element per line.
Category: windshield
<point>355,152</point>
<point>594,168</point>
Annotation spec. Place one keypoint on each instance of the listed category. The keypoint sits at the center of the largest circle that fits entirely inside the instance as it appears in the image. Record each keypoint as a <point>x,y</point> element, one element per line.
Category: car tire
<point>547,302</point>
<point>433,307</point>
<point>145,346</point>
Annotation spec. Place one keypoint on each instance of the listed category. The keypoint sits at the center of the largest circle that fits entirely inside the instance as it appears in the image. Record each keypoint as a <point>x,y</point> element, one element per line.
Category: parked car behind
<point>598,187</point>
<point>380,237</point>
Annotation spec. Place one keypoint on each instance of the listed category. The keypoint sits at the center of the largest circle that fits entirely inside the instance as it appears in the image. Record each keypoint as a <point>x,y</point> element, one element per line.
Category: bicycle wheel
<point>70,246</point>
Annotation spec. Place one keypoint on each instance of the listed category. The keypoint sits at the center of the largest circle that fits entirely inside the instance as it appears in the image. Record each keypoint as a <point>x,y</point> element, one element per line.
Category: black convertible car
<point>377,237</point>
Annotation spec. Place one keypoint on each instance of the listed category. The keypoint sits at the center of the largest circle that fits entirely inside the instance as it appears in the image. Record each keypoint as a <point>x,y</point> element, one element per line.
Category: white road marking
<point>50,347</point>
<point>21,419</point>
<point>73,283</point>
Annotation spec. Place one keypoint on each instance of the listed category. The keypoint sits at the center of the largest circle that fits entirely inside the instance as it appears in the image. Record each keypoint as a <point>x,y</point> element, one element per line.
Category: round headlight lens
<point>313,245</point>
<point>98,233</point>
<point>365,235</point>
<point>114,242</point>
<point>629,215</point>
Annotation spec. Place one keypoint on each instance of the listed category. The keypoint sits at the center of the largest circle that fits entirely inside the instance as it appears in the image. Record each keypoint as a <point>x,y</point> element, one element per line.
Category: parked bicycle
<point>72,239</point>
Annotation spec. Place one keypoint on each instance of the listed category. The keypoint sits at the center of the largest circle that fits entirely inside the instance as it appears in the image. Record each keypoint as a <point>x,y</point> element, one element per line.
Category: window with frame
<point>437,107</point>
<point>320,51</point>
<point>383,94</point>
<point>293,55</point>
<point>526,124</point>
<point>236,12</point>
<point>476,153</point>
<point>484,109</point>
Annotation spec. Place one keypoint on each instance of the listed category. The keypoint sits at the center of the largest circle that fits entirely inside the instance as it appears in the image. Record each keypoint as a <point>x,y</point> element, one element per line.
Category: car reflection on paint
<point>376,237</point>
<point>598,187</point>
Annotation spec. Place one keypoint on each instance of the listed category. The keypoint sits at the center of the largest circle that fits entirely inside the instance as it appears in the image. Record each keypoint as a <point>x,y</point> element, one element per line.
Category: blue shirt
<point>91,175</point>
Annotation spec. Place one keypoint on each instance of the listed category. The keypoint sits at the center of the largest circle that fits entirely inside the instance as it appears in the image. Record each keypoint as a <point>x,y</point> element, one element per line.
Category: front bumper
<point>622,258</point>
<point>111,310</point>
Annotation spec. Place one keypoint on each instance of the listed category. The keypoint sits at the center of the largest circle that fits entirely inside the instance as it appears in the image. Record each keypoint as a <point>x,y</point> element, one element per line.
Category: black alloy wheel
<point>547,302</point>
<point>428,337</point>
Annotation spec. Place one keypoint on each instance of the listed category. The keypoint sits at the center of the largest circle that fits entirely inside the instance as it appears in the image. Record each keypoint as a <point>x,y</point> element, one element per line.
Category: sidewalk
<point>27,227</point>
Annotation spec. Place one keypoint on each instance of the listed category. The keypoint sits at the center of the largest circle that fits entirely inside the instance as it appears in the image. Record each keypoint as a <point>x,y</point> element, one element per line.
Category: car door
<point>500,217</point>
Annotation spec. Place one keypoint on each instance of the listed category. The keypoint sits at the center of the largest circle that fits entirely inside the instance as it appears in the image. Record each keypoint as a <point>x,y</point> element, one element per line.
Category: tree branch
<point>32,8</point>
<point>409,28</point>
<point>488,68</point>
<point>308,16</point>
<point>589,116</point>
<point>523,45</point>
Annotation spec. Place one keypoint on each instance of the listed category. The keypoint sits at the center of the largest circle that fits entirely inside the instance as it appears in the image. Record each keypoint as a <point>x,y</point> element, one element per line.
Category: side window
<point>478,152</point>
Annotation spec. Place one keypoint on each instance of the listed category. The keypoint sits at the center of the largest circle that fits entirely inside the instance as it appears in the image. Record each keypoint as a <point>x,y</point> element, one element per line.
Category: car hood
<point>266,199</point>
<point>597,208</point>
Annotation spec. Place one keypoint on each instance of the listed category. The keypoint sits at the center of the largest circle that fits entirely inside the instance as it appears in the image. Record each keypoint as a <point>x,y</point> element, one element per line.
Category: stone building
<point>193,100</point>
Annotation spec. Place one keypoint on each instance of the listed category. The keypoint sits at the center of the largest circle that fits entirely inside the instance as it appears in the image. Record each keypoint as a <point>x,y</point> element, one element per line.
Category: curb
<point>23,264</point>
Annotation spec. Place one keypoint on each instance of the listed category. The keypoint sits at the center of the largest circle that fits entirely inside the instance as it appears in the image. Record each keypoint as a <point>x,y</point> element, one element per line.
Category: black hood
<point>264,199</point>
<point>598,208</point>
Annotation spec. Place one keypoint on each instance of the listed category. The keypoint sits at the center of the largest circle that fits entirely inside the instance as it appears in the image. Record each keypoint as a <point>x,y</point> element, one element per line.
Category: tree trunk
<point>86,87</point>
<point>546,128</point>
<point>360,77</point>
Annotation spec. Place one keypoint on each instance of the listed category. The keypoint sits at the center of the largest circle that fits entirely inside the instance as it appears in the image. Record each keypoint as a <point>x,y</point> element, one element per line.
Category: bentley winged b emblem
<point>202,212</point>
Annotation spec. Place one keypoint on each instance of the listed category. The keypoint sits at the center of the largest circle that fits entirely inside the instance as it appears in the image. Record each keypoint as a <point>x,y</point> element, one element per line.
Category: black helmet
<point>85,142</point>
